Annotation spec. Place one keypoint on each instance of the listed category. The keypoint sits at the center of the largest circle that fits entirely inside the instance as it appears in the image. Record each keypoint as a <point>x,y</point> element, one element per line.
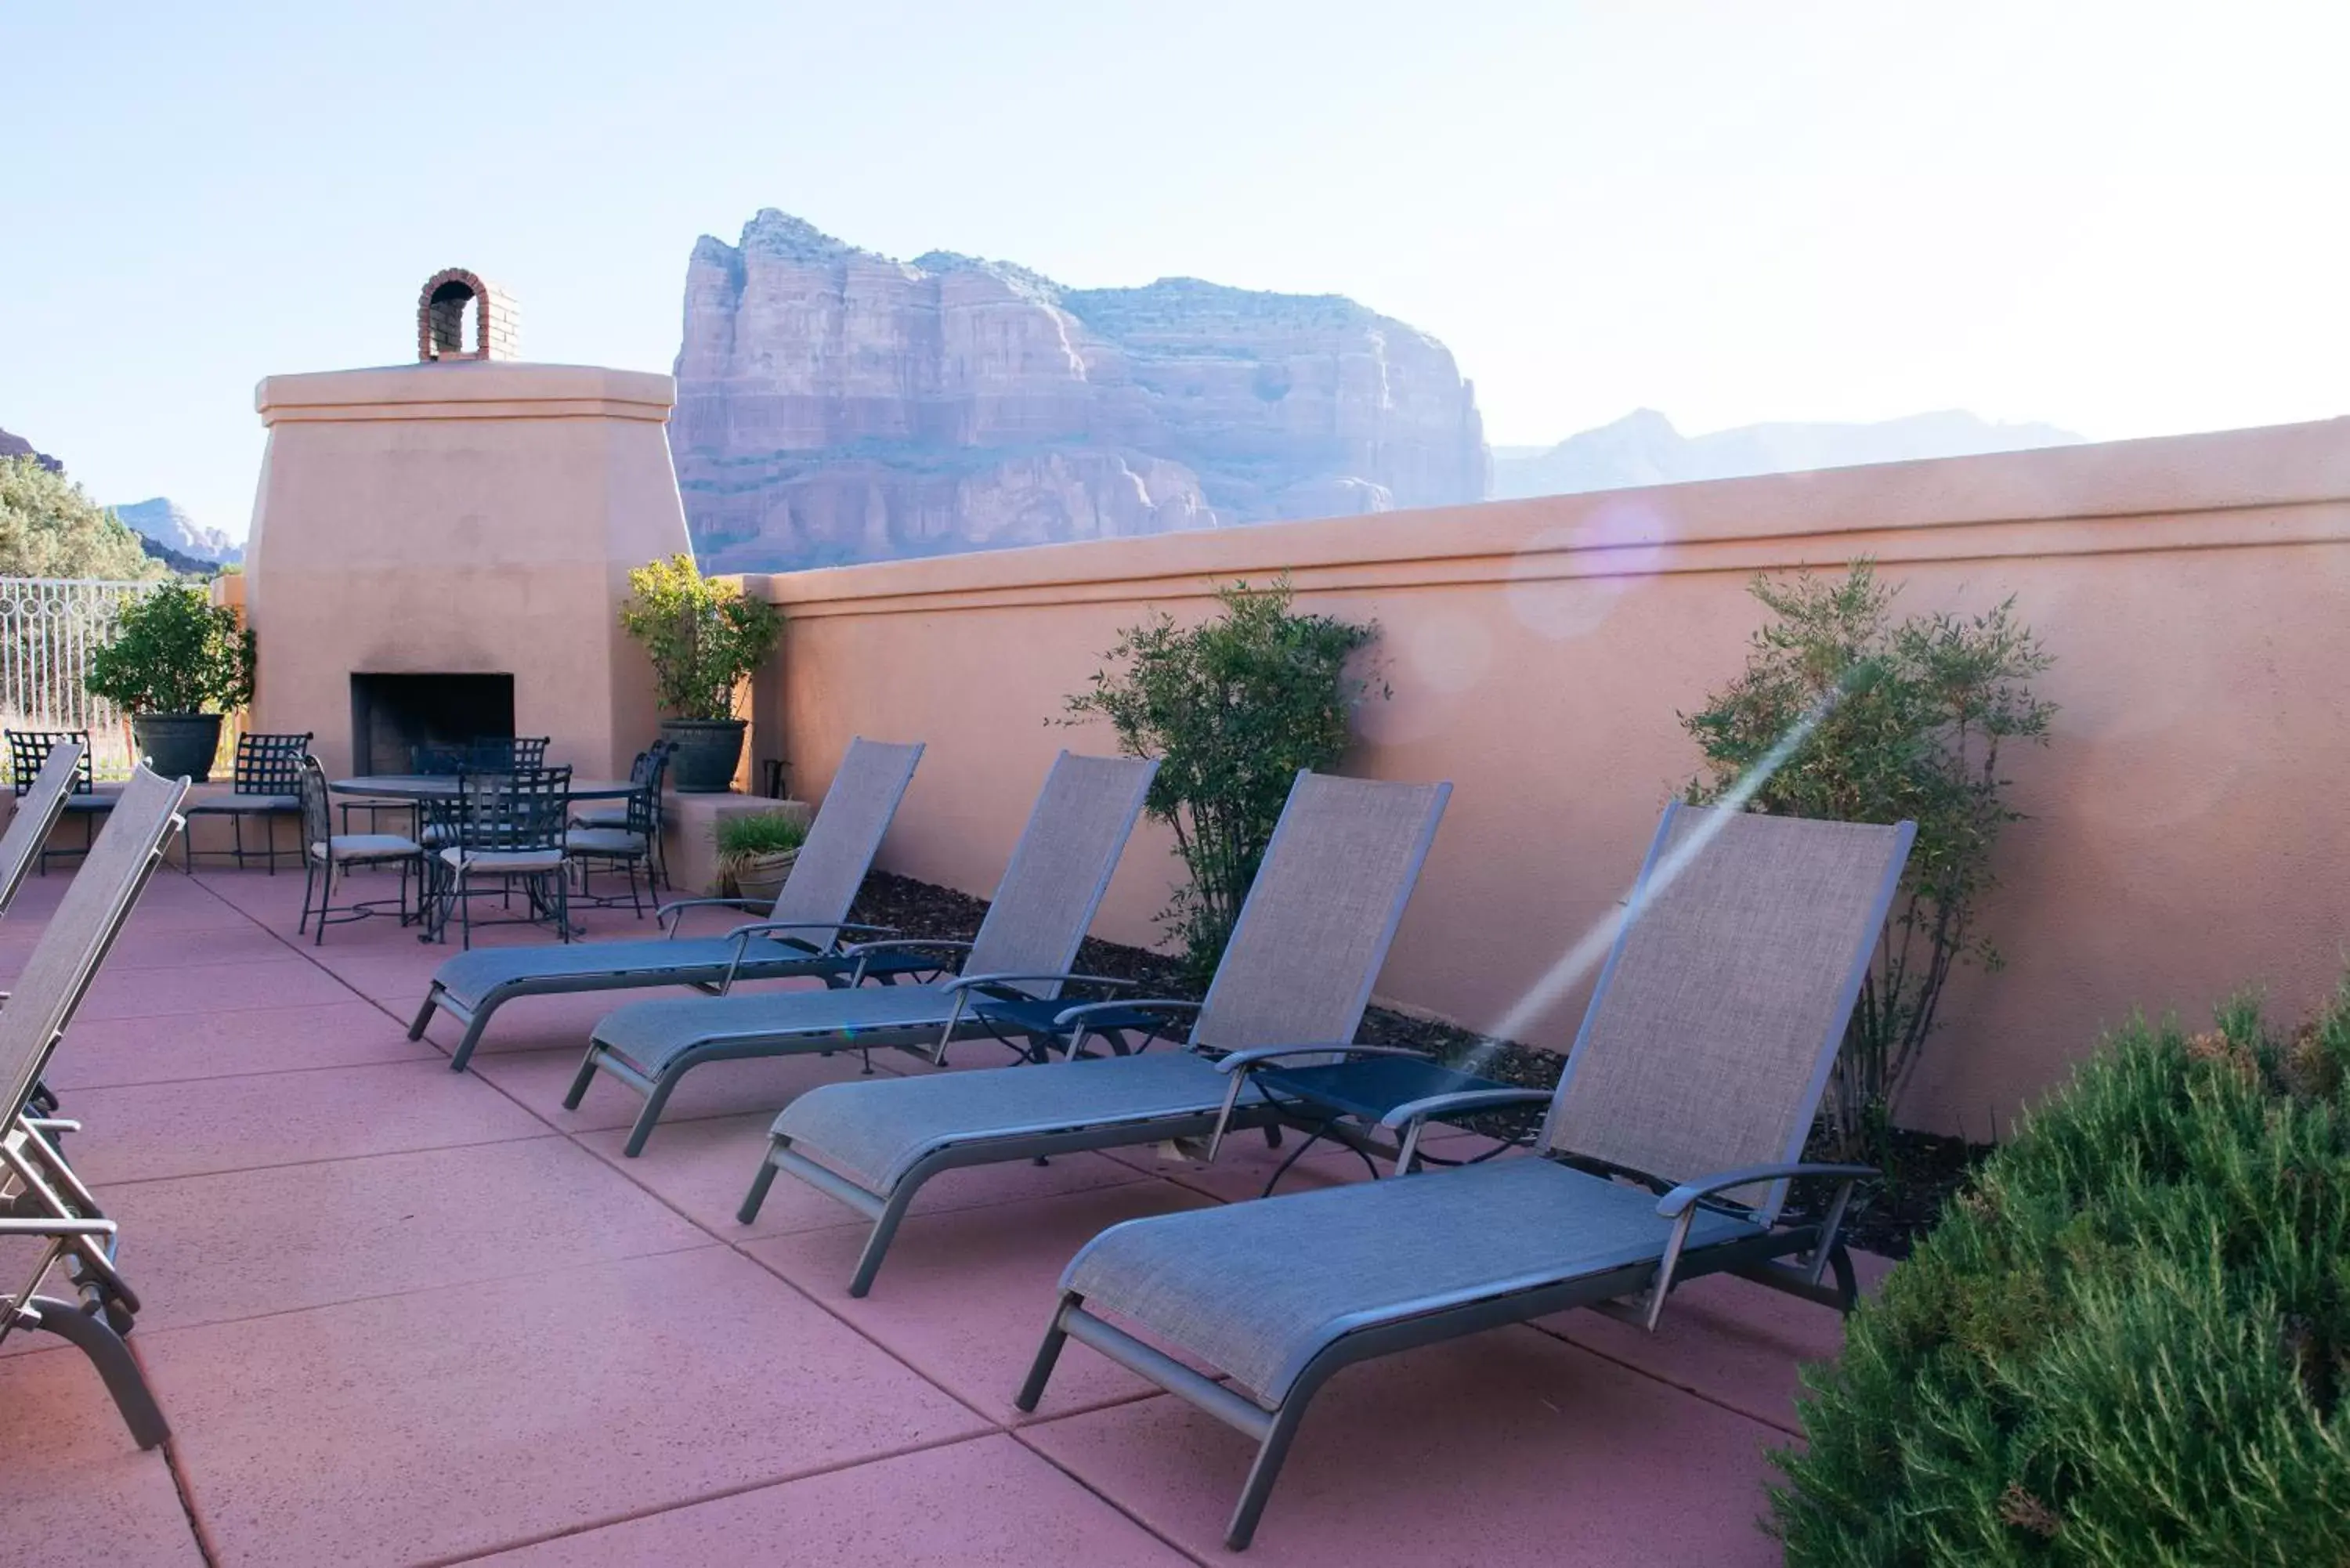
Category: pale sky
<point>2129,219</point>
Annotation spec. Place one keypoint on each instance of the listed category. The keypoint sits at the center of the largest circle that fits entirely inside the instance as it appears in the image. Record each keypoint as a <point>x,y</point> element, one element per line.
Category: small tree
<point>1910,717</point>
<point>704,637</point>
<point>174,651</point>
<point>1232,707</point>
<point>48,528</point>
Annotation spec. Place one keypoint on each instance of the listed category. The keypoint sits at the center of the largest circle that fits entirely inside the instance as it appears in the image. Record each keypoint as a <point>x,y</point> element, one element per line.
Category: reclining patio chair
<point>38,809</point>
<point>801,935</point>
<point>1299,967</point>
<point>1011,972</point>
<point>1695,1076</point>
<point>40,1194</point>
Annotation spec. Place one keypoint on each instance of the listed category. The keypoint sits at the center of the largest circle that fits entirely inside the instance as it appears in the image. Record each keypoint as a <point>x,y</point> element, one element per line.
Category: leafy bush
<point>704,637</point>
<point>48,528</point>
<point>2130,1345</point>
<point>1232,707</point>
<point>1910,715</point>
<point>173,651</point>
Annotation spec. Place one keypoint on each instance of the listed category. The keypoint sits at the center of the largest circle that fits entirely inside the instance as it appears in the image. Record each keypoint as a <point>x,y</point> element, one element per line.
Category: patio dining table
<point>442,786</point>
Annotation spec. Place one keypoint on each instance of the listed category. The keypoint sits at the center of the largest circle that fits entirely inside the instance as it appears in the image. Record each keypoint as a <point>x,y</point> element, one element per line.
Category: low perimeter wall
<point>2188,825</point>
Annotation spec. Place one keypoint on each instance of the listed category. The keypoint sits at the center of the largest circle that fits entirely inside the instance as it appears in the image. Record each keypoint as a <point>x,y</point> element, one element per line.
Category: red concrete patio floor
<point>401,1315</point>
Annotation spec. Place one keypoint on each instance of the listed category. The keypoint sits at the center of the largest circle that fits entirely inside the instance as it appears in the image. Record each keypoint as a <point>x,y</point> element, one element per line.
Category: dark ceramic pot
<point>704,753</point>
<point>178,744</point>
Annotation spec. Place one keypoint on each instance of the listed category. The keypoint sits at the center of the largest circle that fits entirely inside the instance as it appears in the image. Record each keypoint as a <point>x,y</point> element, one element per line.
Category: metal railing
<point>48,629</point>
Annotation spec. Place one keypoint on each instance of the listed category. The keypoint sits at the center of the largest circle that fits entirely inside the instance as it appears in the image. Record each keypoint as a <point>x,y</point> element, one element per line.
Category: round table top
<point>429,787</point>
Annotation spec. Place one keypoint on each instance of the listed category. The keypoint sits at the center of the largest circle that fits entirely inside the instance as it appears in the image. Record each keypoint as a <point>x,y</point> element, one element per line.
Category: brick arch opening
<point>453,300</point>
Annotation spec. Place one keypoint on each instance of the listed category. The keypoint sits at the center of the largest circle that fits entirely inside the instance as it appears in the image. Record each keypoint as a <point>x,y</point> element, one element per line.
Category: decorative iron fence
<point>49,627</point>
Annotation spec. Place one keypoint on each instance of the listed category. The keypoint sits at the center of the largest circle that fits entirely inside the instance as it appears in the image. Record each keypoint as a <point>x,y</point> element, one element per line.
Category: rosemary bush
<point>2127,1347</point>
<point>1910,716</point>
<point>1232,707</point>
<point>704,637</point>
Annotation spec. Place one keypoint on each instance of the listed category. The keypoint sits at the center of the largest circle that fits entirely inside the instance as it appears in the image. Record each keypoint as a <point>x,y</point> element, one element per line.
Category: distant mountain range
<point>1643,448</point>
<point>164,522</point>
<point>166,533</point>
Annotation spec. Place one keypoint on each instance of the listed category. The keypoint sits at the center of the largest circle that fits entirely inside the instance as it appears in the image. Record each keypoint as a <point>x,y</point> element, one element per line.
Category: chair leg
<point>1040,1371</point>
<point>581,1081</point>
<point>1265,1470</point>
<point>749,1209</point>
<point>884,1230</point>
<point>115,1365</point>
<point>663,1086</point>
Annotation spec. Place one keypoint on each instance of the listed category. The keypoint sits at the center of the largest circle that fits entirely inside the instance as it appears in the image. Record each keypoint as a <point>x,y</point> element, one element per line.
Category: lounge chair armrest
<point>1462,1103</point>
<point>1671,1205</point>
<point>51,1226</point>
<point>1084,1011</point>
<point>744,933</point>
<point>1240,1060</point>
<point>669,915</point>
<point>860,949</point>
<point>1008,977</point>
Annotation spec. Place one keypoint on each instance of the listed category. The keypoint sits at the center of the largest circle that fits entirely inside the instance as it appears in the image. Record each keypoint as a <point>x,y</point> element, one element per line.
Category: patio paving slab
<point>704,1168</point>
<point>540,1079</point>
<point>964,1296</point>
<point>1506,1449</point>
<point>241,942</point>
<point>1004,1506</point>
<point>104,1052</point>
<point>289,982</point>
<point>453,1422</point>
<point>1725,1339</point>
<point>74,1490</point>
<point>144,1132</point>
<point>210,1249</point>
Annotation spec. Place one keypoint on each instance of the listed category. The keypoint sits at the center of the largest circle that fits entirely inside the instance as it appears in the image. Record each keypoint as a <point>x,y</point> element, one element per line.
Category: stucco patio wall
<point>2189,827</point>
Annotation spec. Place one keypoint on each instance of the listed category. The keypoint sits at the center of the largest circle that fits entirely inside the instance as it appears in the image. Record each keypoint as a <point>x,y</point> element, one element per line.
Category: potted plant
<point>176,662</point>
<point>756,853</point>
<point>704,637</point>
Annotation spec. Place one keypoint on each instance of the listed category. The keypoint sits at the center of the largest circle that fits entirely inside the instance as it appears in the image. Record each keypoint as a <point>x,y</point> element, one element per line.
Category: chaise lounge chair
<point>1011,972</point>
<point>1293,980</point>
<point>40,1197</point>
<point>1695,1075</point>
<point>800,936</point>
<point>39,810</point>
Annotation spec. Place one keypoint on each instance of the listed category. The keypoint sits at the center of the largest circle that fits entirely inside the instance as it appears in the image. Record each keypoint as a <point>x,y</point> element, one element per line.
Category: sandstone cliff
<point>834,405</point>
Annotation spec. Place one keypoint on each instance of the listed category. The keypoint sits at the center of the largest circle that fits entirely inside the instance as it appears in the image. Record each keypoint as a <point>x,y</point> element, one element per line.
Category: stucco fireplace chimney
<point>463,516</point>
<point>451,298</point>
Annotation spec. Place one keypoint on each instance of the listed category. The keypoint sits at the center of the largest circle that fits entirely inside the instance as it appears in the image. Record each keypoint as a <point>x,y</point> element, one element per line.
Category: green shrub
<point>760,833</point>
<point>174,651</point>
<point>2128,1346</point>
<point>704,637</point>
<point>1232,707</point>
<point>1910,715</point>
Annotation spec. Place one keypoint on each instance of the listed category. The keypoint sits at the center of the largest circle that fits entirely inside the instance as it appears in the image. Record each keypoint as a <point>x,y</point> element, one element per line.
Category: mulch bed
<point>1923,1170</point>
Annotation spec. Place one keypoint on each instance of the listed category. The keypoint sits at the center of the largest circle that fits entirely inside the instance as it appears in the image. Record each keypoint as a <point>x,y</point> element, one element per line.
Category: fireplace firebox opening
<point>392,715</point>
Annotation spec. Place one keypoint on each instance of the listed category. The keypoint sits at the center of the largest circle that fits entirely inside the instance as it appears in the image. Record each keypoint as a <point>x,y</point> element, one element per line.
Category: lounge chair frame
<point>1636,1291</point>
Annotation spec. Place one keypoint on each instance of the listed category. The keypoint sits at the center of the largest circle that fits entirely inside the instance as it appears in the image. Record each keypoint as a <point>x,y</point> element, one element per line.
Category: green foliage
<point>704,637</point>
<point>2129,1347</point>
<point>48,528</point>
<point>172,651</point>
<point>1910,716</point>
<point>760,833</point>
<point>1232,707</point>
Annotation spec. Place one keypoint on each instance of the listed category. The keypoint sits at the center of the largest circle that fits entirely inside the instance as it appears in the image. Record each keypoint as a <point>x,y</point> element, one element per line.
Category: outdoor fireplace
<point>392,715</point>
<point>441,548</point>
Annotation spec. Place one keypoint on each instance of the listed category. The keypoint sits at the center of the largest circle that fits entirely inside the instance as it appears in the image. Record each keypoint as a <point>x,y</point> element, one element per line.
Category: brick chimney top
<point>441,309</point>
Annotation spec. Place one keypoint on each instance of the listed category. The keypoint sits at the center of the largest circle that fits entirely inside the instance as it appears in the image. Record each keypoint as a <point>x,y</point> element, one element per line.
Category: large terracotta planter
<point>762,876</point>
<point>177,744</point>
<point>704,753</point>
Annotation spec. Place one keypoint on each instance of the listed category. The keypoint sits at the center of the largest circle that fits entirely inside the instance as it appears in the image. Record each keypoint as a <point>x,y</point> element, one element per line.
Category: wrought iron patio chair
<point>627,849</point>
<point>509,831</point>
<point>1667,1154</point>
<point>1011,972</point>
<point>267,783</point>
<point>27,750</point>
<point>40,1195</point>
<point>649,773</point>
<point>1299,967</point>
<point>801,935</point>
<point>327,855</point>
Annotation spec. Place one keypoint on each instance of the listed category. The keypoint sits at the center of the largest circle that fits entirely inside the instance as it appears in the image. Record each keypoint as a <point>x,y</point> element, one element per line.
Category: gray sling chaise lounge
<point>40,1197</point>
<point>37,811</point>
<point>1299,967</point>
<point>1011,971</point>
<point>801,935</point>
<point>1695,1075</point>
